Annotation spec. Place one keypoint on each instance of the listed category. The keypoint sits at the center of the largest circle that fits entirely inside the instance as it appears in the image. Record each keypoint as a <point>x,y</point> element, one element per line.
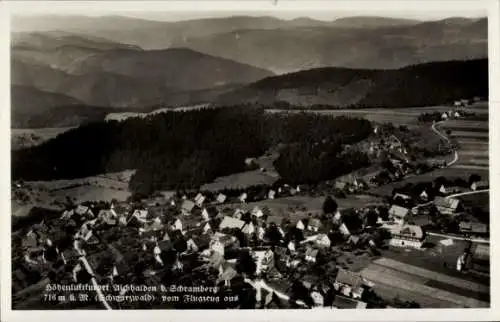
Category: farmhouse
<point>314,225</point>
<point>199,199</point>
<point>398,213</point>
<point>473,228</point>
<point>447,206</point>
<point>479,185</point>
<point>349,283</point>
<point>311,254</point>
<point>230,222</point>
<point>406,235</point>
<point>221,198</point>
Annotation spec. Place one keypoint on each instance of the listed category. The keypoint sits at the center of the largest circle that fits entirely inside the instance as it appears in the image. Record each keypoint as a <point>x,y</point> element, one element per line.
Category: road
<point>85,263</point>
<point>475,240</point>
<point>467,193</point>
<point>444,137</point>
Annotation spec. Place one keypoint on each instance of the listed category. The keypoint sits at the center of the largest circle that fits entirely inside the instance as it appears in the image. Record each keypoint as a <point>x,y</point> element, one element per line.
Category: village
<point>285,258</point>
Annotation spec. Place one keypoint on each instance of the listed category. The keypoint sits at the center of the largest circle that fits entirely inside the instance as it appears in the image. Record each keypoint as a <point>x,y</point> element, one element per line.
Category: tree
<point>371,218</point>
<point>246,264</point>
<point>330,206</point>
<point>474,178</point>
<point>273,234</point>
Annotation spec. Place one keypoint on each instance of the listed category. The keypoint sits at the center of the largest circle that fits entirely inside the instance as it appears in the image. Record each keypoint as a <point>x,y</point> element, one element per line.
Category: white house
<point>444,116</point>
<point>257,212</point>
<point>398,213</point>
<point>442,189</point>
<point>243,197</point>
<point>205,215</point>
<point>411,236</point>
<point>424,195</point>
<point>217,247</point>
<point>291,246</point>
<point>221,198</point>
<point>300,225</point>
<point>349,283</point>
<point>322,240</point>
<point>343,230</point>
<point>207,228</point>
<point>191,246</point>
<point>311,255</point>
<point>271,194</point>
<point>177,225</point>
<point>248,229</point>
<point>199,199</point>
<point>260,233</point>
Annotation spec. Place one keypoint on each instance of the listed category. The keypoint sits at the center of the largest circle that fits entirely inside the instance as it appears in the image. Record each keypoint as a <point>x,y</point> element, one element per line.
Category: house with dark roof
<point>230,222</point>
<point>473,228</point>
<point>311,254</point>
<point>314,225</point>
<point>349,283</point>
<point>406,235</point>
<point>343,302</point>
<point>447,206</point>
<point>187,207</point>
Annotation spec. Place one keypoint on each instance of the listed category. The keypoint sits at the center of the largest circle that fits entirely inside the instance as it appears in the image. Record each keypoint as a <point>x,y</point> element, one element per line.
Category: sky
<point>289,9</point>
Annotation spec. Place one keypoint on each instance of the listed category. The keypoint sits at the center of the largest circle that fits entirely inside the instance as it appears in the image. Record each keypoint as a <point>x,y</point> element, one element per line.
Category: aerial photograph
<point>249,160</point>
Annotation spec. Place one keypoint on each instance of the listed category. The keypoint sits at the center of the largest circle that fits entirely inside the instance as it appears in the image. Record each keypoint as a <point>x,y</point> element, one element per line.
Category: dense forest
<point>333,87</point>
<point>178,150</point>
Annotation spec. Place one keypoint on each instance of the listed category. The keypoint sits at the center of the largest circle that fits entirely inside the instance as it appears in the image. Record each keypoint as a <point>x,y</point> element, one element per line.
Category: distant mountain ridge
<point>418,85</point>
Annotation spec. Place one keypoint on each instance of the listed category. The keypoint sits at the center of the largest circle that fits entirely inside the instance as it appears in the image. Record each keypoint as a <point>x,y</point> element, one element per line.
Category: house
<point>243,197</point>
<point>291,246</point>
<point>424,196</point>
<point>230,222</point>
<point>473,228</point>
<point>191,246</point>
<point>412,236</point>
<point>479,185</point>
<point>478,258</point>
<point>349,283</point>
<point>353,240</point>
<point>207,228</point>
<point>343,230</point>
<point>311,254</point>
<point>140,214</point>
<point>238,213</point>
<point>264,260</point>
<point>261,232</point>
<point>221,198</point>
<point>177,225</point>
<point>317,298</point>
<point>401,196</point>
<point>444,116</point>
<point>398,213</point>
<point>456,114</point>
<point>342,302</point>
<point>300,225</point>
<point>199,199</point>
<point>442,189</point>
<point>226,274</point>
<point>84,210</point>
<point>257,212</point>
<point>314,225</point>
<point>457,103</point>
<point>447,206</point>
<point>187,207</point>
<point>248,229</point>
<point>205,215</point>
<point>271,194</point>
<point>340,185</point>
<point>322,240</point>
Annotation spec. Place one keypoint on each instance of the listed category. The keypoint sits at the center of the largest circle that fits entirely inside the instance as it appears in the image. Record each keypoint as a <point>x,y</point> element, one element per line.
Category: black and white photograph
<point>258,159</point>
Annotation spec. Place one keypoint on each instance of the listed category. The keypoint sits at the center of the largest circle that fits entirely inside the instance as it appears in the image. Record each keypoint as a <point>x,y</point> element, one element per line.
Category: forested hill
<point>418,85</point>
<point>187,149</point>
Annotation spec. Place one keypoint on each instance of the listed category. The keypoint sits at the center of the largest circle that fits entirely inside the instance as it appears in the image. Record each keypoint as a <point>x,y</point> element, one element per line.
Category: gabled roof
<point>398,211</point>
<point>311,252</point>
<point>314,223</point>
<point>473,227</point>
<point>443,202</point>
<point>343,302</point>
<point>349,278</point>
<point>230,222</point>
<point>410,231</point>
<point>188,205</point>
<point>401,195</point>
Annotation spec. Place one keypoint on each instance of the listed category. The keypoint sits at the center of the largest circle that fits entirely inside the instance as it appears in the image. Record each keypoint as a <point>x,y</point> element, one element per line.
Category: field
<point>248,178</point>
<point>431,289</point>
<point>23,138</point>
<point>50,193</point>
<point>472,137</point>
<point>480,200</point>
<point>403,116</point>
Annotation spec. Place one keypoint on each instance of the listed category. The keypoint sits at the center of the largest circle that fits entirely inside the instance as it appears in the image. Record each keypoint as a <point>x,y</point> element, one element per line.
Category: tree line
<point>183,150</point>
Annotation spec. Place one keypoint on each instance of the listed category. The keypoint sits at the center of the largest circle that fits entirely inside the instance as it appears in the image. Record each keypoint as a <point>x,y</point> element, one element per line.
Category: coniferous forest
<point>180,150</point>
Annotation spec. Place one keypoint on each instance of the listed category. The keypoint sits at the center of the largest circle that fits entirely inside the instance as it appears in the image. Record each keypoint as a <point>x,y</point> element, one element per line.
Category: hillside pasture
<point>22,138</point>
<point>394,279</point>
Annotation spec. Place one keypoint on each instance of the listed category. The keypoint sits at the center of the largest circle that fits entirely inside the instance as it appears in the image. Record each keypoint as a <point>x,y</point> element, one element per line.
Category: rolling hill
<point>127,78</point>
<point>419,85</point>
<point>389,47</point>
